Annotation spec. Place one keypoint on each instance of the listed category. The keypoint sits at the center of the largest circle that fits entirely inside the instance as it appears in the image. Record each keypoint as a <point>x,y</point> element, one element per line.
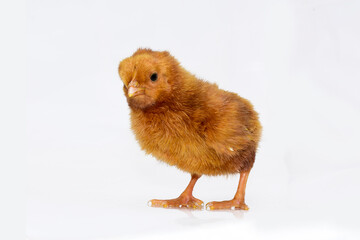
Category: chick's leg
<point>185,200</point>
<point>238,202</point>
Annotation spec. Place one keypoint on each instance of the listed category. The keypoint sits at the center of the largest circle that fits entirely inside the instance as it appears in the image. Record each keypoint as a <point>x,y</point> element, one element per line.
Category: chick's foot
<point>180,202</point>
<point>227,205</point>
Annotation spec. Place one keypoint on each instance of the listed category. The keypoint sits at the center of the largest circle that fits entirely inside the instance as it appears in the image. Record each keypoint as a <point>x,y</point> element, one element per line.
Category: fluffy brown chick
<point>189,123</point>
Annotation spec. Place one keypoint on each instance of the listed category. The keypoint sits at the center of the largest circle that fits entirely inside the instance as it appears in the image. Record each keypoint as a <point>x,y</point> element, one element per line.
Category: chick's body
<point>187,122</point>
<point>216,132</point>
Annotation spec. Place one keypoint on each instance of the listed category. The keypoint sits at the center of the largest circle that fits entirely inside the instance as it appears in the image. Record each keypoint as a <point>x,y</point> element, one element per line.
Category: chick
<point>189,123</point>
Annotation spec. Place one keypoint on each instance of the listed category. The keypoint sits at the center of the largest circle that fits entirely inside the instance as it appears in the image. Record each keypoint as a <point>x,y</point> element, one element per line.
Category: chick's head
<point>148,77</point>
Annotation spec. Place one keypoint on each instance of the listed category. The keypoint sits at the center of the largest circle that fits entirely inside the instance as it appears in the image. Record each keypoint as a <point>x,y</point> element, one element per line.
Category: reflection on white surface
<point>323,206</point>
<point>297,61</point>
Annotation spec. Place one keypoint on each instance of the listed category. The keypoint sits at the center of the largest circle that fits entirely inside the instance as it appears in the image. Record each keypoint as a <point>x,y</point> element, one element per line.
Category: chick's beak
<point>132,90</point>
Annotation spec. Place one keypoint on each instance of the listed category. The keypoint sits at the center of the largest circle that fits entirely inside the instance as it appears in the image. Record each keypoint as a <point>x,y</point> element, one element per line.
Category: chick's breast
<point>172,138</point>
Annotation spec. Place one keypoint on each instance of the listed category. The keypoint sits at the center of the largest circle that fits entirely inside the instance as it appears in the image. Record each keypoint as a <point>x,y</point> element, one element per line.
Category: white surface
<point>12,120</point>
<point>297,61</point>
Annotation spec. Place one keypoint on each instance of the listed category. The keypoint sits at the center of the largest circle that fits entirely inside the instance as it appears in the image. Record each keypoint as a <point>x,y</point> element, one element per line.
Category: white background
<point>297,61</point>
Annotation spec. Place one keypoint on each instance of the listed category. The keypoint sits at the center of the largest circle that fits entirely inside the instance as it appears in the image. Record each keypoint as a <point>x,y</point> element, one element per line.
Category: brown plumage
<point>189,123</point>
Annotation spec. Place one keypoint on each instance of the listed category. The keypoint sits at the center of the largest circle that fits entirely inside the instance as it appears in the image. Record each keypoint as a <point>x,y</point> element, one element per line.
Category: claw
<point>209,207</point>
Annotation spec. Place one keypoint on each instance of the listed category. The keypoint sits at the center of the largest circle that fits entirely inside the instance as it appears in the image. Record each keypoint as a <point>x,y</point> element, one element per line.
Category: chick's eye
<point>154,77</point>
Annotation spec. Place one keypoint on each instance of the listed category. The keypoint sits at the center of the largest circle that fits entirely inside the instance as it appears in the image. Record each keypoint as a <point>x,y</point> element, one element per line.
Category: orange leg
<point>238,202</point>
<point>185,200</point>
